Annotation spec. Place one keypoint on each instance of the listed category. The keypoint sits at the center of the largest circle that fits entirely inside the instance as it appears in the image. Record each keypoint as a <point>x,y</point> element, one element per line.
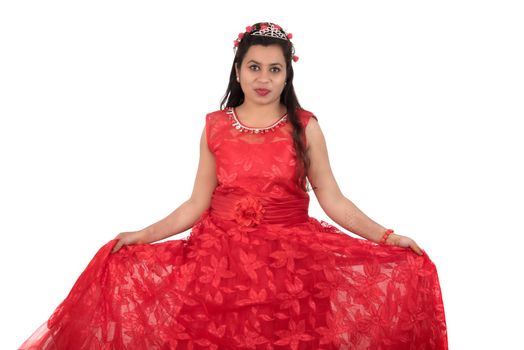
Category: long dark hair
<point>234,95</point>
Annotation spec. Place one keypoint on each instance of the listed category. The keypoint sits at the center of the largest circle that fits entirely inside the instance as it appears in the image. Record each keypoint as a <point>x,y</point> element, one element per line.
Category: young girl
<point>256,272</point>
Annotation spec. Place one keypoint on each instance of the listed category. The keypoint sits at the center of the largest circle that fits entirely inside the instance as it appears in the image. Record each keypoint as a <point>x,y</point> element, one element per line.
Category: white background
<point>102,104</point>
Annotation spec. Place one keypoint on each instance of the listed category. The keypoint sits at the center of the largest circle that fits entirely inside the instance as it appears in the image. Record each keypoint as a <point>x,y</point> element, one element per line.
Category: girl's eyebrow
<point>272,64</point>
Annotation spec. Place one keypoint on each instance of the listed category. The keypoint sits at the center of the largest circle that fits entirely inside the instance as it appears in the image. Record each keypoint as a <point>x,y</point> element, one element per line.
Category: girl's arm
<point>340,209</point>
<point>188,212</point>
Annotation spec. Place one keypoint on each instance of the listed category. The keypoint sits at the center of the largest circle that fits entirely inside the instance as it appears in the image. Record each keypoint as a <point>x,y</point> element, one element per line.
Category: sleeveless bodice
<point>256,171</point>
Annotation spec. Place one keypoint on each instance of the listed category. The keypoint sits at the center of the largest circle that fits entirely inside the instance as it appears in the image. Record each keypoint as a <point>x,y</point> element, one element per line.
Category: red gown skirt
<point>281,280</point>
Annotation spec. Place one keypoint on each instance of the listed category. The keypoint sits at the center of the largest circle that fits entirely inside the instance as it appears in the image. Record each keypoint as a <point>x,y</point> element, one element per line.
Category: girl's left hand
<point>403,241</point>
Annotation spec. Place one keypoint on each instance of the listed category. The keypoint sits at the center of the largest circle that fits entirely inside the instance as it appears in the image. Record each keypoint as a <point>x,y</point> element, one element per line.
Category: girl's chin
<point>258,97</point>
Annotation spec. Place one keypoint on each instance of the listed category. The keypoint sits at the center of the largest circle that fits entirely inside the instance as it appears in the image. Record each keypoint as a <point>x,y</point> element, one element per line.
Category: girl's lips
<point>262,92</point>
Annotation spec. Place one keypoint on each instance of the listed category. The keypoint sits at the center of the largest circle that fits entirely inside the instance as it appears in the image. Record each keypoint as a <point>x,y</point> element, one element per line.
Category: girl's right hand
<point>126,238</point>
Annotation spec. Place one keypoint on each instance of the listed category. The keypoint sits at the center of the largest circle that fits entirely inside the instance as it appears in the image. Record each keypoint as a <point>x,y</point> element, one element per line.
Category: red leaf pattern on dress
<point>250,264</point>
<point>216,271</point>
<point>294,335</point>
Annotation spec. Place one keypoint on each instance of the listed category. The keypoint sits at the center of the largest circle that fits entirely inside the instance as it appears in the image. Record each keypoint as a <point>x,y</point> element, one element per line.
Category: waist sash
<point>251,210</point>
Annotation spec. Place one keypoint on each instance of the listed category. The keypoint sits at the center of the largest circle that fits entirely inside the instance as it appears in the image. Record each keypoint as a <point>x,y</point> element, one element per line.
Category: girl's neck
<point>257,113</point>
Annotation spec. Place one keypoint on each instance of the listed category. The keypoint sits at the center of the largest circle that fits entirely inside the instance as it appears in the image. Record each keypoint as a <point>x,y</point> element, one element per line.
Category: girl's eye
<point>276,68</point>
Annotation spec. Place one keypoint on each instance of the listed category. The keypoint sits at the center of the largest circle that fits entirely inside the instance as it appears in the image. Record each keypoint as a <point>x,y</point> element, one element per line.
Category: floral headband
<point>269,30</point>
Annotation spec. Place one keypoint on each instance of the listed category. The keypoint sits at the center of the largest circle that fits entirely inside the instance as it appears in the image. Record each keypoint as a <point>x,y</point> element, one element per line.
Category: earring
<point>238,79</point>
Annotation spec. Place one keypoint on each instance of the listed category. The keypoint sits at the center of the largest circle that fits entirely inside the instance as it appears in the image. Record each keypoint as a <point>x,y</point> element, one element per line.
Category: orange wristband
<point>386,235</point>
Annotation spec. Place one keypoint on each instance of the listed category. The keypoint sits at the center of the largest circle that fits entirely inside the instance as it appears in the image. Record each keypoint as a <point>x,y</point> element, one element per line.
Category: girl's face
<point>262,74</point>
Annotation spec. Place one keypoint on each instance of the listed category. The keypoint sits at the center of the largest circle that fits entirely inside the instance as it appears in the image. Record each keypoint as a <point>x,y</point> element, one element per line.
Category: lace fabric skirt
<point>256,285</point>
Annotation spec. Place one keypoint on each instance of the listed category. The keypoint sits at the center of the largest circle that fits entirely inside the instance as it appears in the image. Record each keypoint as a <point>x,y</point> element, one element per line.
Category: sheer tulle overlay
<point>256,272</point>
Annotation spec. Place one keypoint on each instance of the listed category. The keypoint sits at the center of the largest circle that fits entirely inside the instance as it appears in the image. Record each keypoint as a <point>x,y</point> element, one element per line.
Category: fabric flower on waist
<point>248,211</point>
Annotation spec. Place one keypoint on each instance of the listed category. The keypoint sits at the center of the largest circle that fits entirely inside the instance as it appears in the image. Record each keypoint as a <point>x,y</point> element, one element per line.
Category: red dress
<point>256,272</point>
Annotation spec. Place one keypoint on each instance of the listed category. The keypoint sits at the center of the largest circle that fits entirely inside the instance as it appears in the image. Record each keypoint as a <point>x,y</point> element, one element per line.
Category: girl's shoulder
<point>217,118</point>
<point>305,115</point>
<point>217,124</point>
<point>219,113</point>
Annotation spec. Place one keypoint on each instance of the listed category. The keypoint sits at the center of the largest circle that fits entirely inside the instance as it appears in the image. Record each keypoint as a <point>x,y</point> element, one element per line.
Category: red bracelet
<point>385,236</point>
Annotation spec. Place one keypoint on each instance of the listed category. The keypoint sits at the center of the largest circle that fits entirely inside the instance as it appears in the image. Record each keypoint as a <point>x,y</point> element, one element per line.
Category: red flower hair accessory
<point>267,29</point>
<point>248,211</point>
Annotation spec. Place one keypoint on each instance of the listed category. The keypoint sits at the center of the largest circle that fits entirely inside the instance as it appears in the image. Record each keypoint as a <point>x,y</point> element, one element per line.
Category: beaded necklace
<point>243,128</point>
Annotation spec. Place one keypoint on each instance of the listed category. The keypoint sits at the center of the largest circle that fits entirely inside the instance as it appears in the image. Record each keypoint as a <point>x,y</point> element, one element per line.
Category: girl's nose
<point>264,76</point>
